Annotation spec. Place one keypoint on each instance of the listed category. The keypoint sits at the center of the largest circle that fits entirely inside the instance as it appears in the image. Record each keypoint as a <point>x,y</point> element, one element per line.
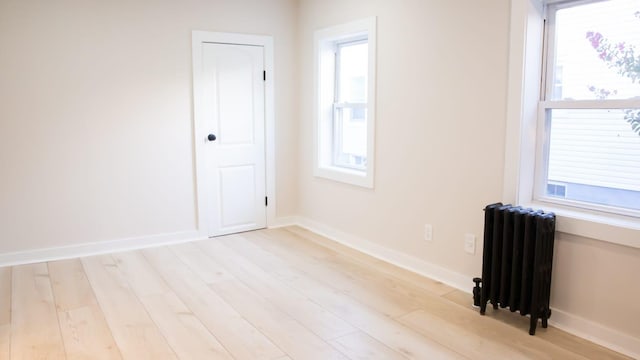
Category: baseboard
<point>596,333</point>
<point>112,246</point>
<point>408,262</point>
<point>570,323</point>
<point>284,221</point>
<point>96,248</point>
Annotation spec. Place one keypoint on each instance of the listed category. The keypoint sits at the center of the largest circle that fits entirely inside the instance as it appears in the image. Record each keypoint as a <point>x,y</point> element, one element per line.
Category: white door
<point>233,109</point>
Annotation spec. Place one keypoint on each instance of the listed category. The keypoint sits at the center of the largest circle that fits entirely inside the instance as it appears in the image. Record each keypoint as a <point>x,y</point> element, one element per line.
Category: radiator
<point>516,262</point>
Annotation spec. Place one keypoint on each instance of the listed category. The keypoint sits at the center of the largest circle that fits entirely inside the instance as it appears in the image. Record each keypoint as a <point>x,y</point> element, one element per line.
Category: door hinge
<point>266,201</point>
<point>264,75</point>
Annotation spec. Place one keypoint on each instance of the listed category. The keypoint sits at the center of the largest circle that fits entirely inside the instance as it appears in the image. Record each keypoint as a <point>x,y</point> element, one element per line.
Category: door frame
<point>200,131</point>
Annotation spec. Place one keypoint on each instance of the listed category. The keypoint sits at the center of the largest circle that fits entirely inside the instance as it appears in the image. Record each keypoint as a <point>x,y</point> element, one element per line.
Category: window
<point>345,85</point>
<point>588,152</point>
<point>545,99</point>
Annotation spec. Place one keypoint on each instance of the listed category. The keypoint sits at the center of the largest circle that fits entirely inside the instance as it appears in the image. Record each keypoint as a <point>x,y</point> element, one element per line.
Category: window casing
<point>345,107</point>
<point>526,131</point>
<point>586,140</point>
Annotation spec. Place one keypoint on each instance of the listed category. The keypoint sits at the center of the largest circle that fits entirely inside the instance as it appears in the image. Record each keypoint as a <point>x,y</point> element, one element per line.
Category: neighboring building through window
<point>345,81</point>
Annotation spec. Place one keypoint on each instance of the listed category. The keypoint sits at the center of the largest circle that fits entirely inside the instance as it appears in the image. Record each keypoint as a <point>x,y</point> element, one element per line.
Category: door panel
<point>233,95</point>
<point>236,97</point>
<point>237,194</point>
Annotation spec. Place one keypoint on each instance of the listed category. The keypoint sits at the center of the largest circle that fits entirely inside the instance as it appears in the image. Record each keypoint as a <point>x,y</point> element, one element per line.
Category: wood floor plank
<point>135,333</point>
<point>474,346</point>
<point>441,311</point>
<point>142,278</point>
<point>5,312</point>
<point>372,272</point>
<point>551,334</point>
<point>490,335</point>
<point>233,331</point>
<point>395,289</point>
<point>285,245</point>
<point>184,332</point>
<point>286,299</point>
<point>70,285</point>
<point>382,328</point>
<point>210,272</point>
<point>35,333</point>
<point>86,335</point>
<point>360,346</point>
<point>186,335</point>
<point>288,334</point>
<point>436,287</point>
<point>84,329</point>
<point>377,325</point>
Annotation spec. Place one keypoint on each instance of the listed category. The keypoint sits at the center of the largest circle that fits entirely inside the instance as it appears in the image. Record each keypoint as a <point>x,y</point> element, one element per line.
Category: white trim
<point>284,222</point>
<point>592,224</point>
<point>590,104</point>
<point>322,40</point>
<point>408,262</point>
<point>198,37</point>
<point>345,175</point>
<point>565,321</point>
<point>524,133</point>
<point>525,72</point>
<point>563,4</point>
<point>96,248</point>
<point>596,333</point>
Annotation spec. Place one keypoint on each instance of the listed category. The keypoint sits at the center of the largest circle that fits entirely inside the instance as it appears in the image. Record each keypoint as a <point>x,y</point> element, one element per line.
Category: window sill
<point>611,228</point>
<point>353,177</point>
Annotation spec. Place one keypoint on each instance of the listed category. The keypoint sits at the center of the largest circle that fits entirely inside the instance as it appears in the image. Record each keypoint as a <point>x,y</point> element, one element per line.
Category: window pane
<point>596,53</point>
<point>352,72</point>
<point>594,156</point>
<point>350,138</point>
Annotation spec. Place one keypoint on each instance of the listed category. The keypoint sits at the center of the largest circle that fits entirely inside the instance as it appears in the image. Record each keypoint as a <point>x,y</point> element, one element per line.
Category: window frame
<point>327,103</point>
<point>340,106</point>
<point>338,136</point>
<point>524,131</point>
<point>547,104</point>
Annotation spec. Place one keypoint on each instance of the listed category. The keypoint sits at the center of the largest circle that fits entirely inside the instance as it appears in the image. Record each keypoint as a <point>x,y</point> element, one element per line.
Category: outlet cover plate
<point>428,232</point>
<point>470,243</point>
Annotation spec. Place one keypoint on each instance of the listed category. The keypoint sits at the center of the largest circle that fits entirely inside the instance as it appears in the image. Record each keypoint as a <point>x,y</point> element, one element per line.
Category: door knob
<point>211,137</point>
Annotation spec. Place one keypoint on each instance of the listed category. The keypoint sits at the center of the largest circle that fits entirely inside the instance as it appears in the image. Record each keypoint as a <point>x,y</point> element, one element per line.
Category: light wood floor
<point>271,294</point>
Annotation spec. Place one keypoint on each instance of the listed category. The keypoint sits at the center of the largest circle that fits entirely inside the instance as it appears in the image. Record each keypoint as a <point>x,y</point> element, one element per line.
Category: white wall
<point>96,115</point>
<point>440,136</point>
<point>442,73</point>
<point>598,282</point>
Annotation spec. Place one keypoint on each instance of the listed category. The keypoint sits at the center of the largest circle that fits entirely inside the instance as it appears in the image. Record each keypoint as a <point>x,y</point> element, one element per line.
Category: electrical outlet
<point>428,232</point>
<point>470,243</point>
